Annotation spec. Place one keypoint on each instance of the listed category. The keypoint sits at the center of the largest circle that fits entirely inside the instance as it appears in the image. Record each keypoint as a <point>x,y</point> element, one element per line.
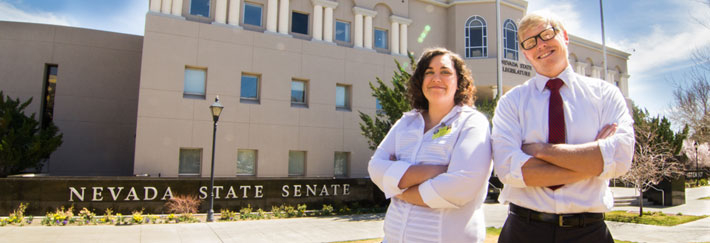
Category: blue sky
<point>660,35</point>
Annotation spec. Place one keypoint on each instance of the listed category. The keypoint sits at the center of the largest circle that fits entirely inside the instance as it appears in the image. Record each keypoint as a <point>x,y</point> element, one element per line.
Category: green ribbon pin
<point>441,132</point>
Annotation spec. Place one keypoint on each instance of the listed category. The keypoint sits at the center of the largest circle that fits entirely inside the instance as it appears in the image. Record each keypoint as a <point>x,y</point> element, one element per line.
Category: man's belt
<point>562,220</point>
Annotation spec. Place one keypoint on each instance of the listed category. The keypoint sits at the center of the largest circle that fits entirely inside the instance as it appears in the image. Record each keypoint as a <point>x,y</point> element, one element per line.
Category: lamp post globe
<point>216,109</point>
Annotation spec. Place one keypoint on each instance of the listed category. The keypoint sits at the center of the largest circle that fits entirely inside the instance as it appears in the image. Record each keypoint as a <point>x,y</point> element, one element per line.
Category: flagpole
<point>499,56</point>
<point>601,10</point>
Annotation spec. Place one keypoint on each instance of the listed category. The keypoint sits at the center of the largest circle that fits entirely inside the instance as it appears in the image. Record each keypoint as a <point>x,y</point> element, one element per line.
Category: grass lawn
<point>704,198</point>
<point>651,218</point>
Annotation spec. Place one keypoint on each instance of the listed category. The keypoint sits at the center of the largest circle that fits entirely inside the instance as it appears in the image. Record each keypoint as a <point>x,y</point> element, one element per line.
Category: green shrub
<point>326,210</point>
<point>18,215</point>
<point>137,217</point>
<point>23,143</point>
<point>86,216</point>
<point>226,215</point>
<point>59,217</point>
<point>277,211</point>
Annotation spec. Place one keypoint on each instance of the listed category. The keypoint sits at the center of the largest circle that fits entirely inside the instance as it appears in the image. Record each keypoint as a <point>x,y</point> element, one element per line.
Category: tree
<point>393,101</point>
<point>487,107</point>
<point>654,155</point>
<point>691,97</point>
<point>23,144</point>
<point>703,156</point>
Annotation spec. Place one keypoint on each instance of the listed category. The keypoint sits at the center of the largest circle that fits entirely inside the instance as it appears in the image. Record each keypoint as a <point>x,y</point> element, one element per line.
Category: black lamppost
<point>216,109</point>
<point>697,175</point>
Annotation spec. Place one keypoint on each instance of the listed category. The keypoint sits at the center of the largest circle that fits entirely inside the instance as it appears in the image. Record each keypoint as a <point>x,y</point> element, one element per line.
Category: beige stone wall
<point>167,121</point>
<point>436,20</point>
<point>590,55</point>
<point>96,93</point>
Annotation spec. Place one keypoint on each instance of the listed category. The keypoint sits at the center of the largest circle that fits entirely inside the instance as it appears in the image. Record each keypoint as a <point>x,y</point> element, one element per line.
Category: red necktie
<point>556,121</point>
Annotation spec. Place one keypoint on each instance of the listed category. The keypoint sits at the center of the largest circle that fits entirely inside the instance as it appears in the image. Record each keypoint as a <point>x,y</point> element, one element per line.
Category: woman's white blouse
<point>455,197</point>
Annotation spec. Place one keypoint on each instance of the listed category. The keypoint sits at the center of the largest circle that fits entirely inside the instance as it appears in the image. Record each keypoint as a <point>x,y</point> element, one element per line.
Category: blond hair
<point>533,20</point>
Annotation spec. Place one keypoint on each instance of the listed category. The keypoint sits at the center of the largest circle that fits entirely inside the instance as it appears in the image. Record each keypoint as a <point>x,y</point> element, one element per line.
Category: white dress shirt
<point>589,104</point>
<point>454,197</point>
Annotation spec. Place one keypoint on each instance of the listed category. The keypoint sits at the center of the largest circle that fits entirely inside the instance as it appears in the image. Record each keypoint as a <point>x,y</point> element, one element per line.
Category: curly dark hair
<point>465,91</point>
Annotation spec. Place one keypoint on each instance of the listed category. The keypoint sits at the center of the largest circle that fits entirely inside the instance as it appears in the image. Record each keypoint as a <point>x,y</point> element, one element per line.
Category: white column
<point>358,30</point>
<point>155,5</point>
<point>399,34</point>
<point>624,84</point>
<point>368,32</point>
<point>394,38</point>
<point>580,68</point>
<point>283,17</point>
<point>166,7</point>
<point>318,22</point>
<point>328,25</point>
<point>271,12</point>
<point>612,75</point>
<point>177,7</point>
<point>596,72</point>
<point>403,39</point>
<point>234,12</point>
<point>220,11</point>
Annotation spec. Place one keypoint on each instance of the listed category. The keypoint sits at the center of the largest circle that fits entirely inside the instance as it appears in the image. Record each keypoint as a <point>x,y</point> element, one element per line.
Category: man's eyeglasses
<point>545,35</point>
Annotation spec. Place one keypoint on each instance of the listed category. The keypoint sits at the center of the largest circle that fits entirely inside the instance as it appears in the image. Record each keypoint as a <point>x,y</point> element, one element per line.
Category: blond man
<point>557,140</point>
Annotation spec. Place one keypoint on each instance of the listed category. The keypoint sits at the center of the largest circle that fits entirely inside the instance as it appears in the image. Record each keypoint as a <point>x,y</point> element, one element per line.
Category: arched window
<point>476,37</point>
<point>510,40</point>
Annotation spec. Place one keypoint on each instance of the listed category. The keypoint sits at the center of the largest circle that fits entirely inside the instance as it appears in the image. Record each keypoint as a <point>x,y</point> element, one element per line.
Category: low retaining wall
<point>125,194</point>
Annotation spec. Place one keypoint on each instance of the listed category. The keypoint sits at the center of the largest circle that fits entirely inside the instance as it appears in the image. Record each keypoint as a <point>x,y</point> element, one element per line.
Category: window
<point>50,85</point>
<point>246,162</point>
<point>296,163</point>
<point>249,88</point>
<point>252,14</point>
<point>378,107</point>
<point>476,40</point>
<point>190,162</point>
<point>381,38</point>
<point>195,82</point>
<point>299,23</point>
<point>342,97</point>
<point>342,31</point>
<point>299,92</point>
<point>510,40</point>
<point>341,164</point>
<point>200,7</point>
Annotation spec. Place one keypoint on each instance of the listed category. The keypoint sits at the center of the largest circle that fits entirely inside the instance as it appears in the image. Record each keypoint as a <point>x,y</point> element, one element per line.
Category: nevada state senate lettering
<point>512,67</point>
<point>150,193</point>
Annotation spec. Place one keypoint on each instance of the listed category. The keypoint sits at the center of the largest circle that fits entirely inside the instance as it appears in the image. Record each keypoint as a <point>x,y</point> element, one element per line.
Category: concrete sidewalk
<point>342,228</point>
<point>696,231</point>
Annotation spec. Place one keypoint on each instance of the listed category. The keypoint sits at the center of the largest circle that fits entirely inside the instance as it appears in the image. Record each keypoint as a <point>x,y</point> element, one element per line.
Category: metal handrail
<point>663,194</point>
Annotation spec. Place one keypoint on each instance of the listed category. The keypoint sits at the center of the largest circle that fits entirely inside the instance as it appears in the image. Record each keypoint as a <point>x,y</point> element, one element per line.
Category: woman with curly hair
<point>435,161</point>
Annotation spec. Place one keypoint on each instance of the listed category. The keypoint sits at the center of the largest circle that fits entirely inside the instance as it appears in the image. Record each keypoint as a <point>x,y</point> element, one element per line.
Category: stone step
<point>630,201</point>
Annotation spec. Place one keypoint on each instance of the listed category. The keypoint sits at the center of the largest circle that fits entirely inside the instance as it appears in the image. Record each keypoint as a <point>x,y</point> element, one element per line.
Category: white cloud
<point>662,50</point>
<point>9,12</point>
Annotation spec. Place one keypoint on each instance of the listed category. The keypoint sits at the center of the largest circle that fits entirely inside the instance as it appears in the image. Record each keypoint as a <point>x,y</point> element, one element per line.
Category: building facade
<point>86,81</point>
<point>293,76</point>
